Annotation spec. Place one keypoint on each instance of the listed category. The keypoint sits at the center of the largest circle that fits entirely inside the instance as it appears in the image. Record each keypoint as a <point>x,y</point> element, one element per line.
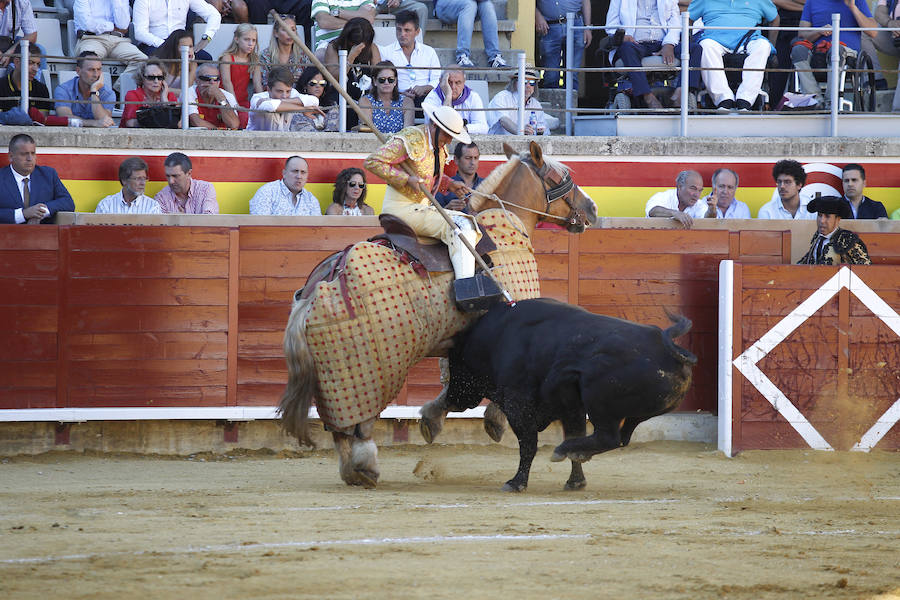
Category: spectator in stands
<point>151,90</point>
<point>282,51</point>
<point>395,6</point>
<point>15,16</point>
<point>467,157</point>
<point>38,95</point>
<point>454,92</point>
<point>208,91</point>
<point>418,66</point>
<point>236,9</point>
<point>853,176</point>
<point>349,196</point>
<point>717,42</point>
<point>830,244</point>
<point>287,196</point>
<point>816,18</point>
<point>358,39</point>
<point>789,179</point>
<point>30,193</point>
<point>724,186</point>
<point>155,20</point>
<point>240,65</point>
<point>184,194</point>
<point>170,55</point>
<point>789,12</point>
<point>550,25</point>
<point>313,83</point>
<point>640,42</point>
<point>272,109</point>
<point>683,203</point>
<point>101,27</point>
<point>331,16</point>
<point>464,13</point>
<point>131,199</point>
<point>503,116</point>
<point>86,86</point>
<point>297,11</point>
<point>386,107</point>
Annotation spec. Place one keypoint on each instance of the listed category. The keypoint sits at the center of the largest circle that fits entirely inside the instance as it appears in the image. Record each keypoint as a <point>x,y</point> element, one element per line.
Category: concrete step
<point>499,7</point>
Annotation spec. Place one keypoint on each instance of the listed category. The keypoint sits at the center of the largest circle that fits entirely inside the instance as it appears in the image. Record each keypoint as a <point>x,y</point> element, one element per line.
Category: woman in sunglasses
<point>313,83</point>
<point>350,194</point>
<point>151,90</point>
<point>390,111</point>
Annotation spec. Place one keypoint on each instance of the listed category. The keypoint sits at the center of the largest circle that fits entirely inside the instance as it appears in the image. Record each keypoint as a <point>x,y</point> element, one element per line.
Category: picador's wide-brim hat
<point>530,73</point>
<point>830,205</point>
<point>450,121</point>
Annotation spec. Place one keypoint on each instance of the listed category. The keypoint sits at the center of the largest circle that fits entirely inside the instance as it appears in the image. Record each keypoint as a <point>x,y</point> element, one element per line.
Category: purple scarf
<point>462,97</point>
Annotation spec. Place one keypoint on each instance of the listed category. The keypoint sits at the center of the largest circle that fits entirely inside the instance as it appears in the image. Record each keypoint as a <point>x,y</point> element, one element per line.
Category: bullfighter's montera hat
<point>830,205</point>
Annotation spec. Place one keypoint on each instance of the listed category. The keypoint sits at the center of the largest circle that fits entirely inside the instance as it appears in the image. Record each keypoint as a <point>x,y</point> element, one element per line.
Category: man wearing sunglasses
<point>206,90</point>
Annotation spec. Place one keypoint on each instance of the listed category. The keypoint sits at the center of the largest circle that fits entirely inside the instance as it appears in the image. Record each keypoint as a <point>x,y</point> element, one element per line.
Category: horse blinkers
<point>575,221</point>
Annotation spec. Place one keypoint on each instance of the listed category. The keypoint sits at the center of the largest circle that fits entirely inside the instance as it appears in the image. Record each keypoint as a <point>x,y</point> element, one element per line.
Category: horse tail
<point>302,378</point>
<point>680,326</point>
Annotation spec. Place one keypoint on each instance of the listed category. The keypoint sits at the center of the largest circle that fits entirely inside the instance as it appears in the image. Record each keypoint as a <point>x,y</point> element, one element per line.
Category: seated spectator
<point>282,51</point>
<point>170,56</point>
<point>87,86</point>
<point>287,196</point>
<point>236,9</point>
<point>240,65</point>
<point>152,90</point>
<point>358,39</point>
<point>30,193</point>
<point>724,186</point>
<point>313,83</point>
<point>418,64</point>
<point>387,109</point>
<point>350,194</point>
<point>333,16</point>
<point>682,203</point>
<point>789,179</point>
<point>155,20</point>
<point>101,27</point>
<point>38,94</point>
<point>454,92</point>
<point>131,199</point>
<point>550,26</point>
<point>467,157</point>
<point>185,194</point>
<point>463,13</point>
<point>18,16</point>
<point>272,109</point>
<point>207,91</point>
<point>641,42</point>
<point>717,42</point>
<point>503,117</point>
<point>817,15</point>
<point>853,176</point>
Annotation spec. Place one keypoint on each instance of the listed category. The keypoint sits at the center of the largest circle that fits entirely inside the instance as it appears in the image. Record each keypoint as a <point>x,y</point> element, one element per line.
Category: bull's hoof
<point>429,429</point>
<point>494,430</point>
<point>575,485</point>
<point>555,457</point>
<point>513,486</point>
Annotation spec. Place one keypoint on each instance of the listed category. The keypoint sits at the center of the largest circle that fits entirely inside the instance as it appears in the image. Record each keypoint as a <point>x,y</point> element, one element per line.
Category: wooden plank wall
<point>194,316</point>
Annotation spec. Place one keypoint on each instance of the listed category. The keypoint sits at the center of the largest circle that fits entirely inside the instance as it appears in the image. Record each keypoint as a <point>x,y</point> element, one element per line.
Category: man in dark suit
<point>30,193</point>
<point>861,207</point>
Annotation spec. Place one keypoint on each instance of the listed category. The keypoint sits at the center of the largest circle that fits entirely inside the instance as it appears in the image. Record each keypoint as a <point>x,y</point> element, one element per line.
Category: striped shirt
<point>116,205</point>
<point>274,198</point>
<point>201,200</point>
<point>323,36</point>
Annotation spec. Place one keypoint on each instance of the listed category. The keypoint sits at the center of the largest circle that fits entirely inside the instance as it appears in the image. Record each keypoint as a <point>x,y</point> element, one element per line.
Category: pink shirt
<point>201,200</point>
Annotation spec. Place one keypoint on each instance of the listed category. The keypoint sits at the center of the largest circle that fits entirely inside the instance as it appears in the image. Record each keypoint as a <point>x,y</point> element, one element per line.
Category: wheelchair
<point>856,83</point>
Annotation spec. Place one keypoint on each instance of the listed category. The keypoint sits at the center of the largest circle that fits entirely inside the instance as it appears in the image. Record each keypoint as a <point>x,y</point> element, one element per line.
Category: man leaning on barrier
<point>30,193</point>
<point>131,199</point>
<point>682,203</point>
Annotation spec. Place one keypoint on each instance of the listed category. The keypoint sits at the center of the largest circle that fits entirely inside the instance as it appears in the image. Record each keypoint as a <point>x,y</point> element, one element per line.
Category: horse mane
<point>490,183</point>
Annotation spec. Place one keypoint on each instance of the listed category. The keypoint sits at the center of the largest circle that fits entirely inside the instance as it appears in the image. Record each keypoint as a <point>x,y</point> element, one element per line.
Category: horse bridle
<point>562,189</point>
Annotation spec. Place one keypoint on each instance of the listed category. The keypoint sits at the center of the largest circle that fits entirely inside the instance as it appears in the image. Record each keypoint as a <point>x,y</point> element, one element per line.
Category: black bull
<point>543,360</point>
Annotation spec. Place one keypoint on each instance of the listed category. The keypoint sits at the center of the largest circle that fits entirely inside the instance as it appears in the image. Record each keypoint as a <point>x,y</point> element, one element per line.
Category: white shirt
<point>736,210</point>
<point>774,209</point>
<point>115,204</point>
<point>505,104</point>
<point>154,20</point>
<point>647,14</point>
<point>24,18</point>
<point>669,199</point>
<point>422,55</point>
<point>192,100</point>
<point>470,110</point>
<point>20,218</point>
<point>271,120</point>
<point>102,16</point>
<point>274,198</point>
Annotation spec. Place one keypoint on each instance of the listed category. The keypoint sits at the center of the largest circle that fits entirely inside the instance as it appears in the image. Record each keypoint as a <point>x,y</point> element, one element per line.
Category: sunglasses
<point>386,80</point>
<point>353,184</point>
<point>154,77</point>
<point>320,82</point>
<point>208,77</point>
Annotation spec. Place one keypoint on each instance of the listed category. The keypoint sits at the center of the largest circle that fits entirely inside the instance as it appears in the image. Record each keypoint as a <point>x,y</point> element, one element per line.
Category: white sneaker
<point>463,60</point>
<point>498,63</point>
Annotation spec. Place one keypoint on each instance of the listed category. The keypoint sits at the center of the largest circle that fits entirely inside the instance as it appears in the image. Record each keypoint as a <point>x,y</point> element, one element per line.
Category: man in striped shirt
<point>331,16</point>
<point>131,199</point>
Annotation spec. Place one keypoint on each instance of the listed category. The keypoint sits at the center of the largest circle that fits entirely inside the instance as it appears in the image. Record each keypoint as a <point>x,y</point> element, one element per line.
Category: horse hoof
<point>367,479</point>
<point>494,430</point>
<point>511,486</point>
<point>557,457</point>
<point>428,429</point>
<point>575,485</point>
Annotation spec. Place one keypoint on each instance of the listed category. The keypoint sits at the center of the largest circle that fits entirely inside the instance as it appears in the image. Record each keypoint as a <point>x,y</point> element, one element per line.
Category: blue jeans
<point>631,54</point>
<point>464,13</point>
<point>553,52</point>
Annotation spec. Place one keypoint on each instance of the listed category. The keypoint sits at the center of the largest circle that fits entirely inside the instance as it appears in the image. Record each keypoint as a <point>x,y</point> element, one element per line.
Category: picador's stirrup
<point>477,293</point>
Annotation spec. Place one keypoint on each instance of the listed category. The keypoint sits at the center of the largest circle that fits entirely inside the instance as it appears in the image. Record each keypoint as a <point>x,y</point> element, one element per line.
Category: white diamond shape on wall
<point>746,363</point>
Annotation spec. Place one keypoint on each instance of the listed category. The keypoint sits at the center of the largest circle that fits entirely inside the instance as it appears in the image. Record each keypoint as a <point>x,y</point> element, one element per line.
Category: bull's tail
<point>302,379</point>
<point>680,326</point>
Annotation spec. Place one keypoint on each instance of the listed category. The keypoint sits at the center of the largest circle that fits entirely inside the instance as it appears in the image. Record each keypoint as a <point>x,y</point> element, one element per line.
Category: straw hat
<point>530,72</point>
<point>450,121</point>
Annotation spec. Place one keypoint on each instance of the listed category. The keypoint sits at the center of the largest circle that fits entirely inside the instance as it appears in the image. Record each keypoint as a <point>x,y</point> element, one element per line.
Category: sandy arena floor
<point>657,520</point>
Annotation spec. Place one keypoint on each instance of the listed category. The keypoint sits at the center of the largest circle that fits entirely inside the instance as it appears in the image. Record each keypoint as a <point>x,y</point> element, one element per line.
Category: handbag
<point>735,60</point>
<point>159,116</point>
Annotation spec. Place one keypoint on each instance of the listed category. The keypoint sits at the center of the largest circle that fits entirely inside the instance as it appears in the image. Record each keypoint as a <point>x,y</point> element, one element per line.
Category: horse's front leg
<point>358,455</point>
